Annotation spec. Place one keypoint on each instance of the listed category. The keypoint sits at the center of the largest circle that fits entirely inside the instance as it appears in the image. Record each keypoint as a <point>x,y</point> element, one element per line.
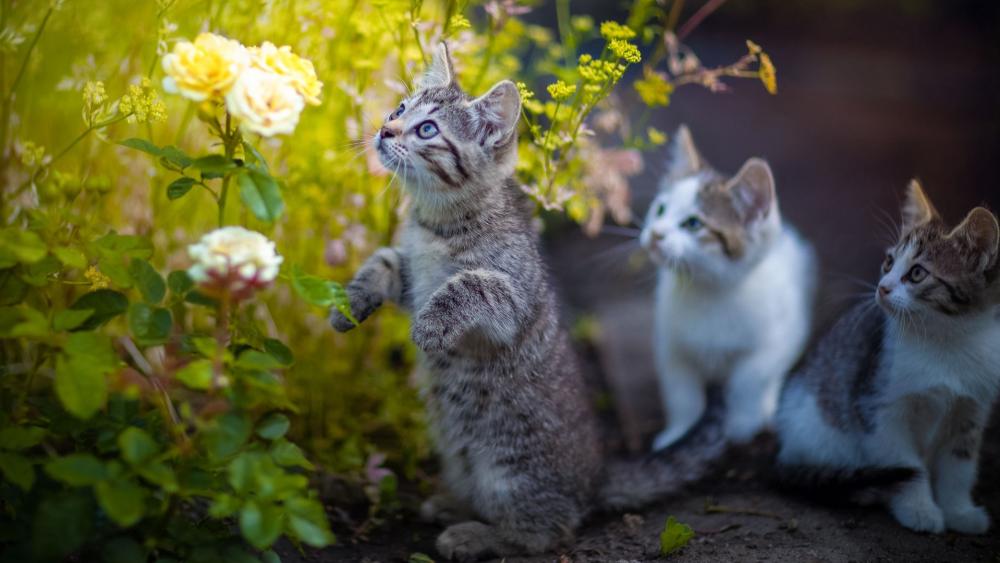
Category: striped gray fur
<point>508,411</point>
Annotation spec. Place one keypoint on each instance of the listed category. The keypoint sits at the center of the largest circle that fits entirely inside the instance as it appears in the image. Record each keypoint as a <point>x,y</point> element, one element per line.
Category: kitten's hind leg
<point>444,508</point>
<point>683,394</point>
<point>913,506</point>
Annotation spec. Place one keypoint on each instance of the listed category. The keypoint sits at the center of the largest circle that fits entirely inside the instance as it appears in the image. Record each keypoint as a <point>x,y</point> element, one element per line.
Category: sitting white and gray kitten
<point>891,405</point>
<point>507,406</point>
<point>734,295</point>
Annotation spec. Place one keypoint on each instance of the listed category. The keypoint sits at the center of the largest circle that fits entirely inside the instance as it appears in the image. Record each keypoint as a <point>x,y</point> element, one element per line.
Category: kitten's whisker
<point>620,231</point>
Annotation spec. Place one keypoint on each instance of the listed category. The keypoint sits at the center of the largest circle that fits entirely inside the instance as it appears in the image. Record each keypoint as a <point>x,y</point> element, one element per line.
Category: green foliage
<point>675,535</point>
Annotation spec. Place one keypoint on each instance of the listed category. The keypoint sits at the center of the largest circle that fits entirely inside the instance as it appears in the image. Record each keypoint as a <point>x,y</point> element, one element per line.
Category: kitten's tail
<point>839,485</point>
<point>633,483</point>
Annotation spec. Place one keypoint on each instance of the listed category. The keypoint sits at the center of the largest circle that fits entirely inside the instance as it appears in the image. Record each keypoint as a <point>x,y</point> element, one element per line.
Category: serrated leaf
<point>80,373</point>
<point>122,500</point>
<point>77,470</point>
<point>149,325</point>
<point>136,445</point>
<point>17,469</point>
<point>261,523</point>
<point>273,426</point>
<point>261,194</point>
<point>147,280</point>
<point>104,304</point>
<point>68,319</point>
<point>674,536</point>
<point>322,293</point>
<point>142,145</point>
<point>180,187</point>
<point>196,375</point>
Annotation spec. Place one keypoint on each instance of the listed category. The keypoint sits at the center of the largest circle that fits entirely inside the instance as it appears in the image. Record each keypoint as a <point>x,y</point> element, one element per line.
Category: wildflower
<point>560,91</point>
<point>753,48</point>
<point>653,89</point>
<point>233,261</point>
<point>656,136</point>
<point>458,22</point>
<point>142,104</point>
<point>582,24</point>
<point>205,69</point>
<point>612,30</point>
<point>625,50</point>
<point>298,71</point>
<point>96,278</point>
<point>525,93</point>
<point>768,74</point>
<point>265,102</point>
<point>30,154</point>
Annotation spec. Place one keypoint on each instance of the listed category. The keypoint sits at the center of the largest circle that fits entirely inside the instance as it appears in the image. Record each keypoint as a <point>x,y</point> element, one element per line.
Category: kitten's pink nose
<point>386,133</point>
<point>884,291</point>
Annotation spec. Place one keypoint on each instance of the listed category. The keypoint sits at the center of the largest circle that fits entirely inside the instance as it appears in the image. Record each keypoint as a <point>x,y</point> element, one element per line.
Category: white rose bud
<point>233,261</point>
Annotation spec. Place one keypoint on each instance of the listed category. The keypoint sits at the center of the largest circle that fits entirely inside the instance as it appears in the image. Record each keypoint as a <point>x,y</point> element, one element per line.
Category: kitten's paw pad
<point>468,541</point>
<point>919,515</point>
<point>443,509</point>
<point>969,520</point>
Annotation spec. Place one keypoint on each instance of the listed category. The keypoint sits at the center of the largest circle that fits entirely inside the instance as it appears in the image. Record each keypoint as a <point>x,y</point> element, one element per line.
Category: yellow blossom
<point>142,104</point>
<point>768,74</point>
<point>653,89</point>
<point>525,93</point>
<point>458,22</point>
<point>625,50</point>
<point>96,278</point>
<point>560,91</point>
<point>31,154</point>
<point>656,136</point>
<point>297,70</point>
<point>612,30</point>
<point>206,69</point>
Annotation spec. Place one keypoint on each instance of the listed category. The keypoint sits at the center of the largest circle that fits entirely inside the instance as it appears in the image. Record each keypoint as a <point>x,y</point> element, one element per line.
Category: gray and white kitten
<point>518,441</point>
<point>734,292</point>
<point>891,405</point>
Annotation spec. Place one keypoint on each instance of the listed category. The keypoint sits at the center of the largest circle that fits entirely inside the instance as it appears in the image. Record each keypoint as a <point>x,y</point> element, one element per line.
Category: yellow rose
<point>265,103</point>
<point>205,69</point>
<point>282,61</point>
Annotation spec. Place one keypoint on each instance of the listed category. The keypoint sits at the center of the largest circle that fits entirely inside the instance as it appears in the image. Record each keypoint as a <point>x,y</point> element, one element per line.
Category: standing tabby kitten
<point>892,404</point>
<point>734,295</point>
<point>507,406</point>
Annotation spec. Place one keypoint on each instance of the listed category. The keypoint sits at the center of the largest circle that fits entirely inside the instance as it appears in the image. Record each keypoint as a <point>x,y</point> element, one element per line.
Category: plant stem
<point>227,141</point>
<point>566,31</point>
<point>221,337</point>
<point>8,99</point>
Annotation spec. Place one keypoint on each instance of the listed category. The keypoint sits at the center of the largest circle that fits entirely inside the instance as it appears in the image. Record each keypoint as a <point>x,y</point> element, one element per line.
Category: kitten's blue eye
<point>399,111</point>
<point>661,208</point>
<point>917,274</point>
<point>692,224</point>
<point>427,129</point>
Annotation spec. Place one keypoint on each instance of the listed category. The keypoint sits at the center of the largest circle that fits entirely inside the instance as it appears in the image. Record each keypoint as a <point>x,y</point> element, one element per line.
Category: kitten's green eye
<point>917,274</point>
<point>692,224</point>
<point>661,208</point>
<point>887,265</point>
<point>398,112</point>
<point>427,129</point>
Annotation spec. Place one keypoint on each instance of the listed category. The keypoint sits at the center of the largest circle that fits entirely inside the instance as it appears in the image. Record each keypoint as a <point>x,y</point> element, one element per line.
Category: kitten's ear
<point>917,208</point>
<point>685,159</point>
<point>981,231</point>
<point>441,72</point>
<point>752,190</point>
<point>501,106</point>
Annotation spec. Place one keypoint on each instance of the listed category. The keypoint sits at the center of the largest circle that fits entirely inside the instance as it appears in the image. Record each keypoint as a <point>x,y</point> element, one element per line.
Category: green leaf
<point>196,375</point>
<point>68,319</point>
<point>322,293</point>
<point>308,522</point>
<point>261,524</point>
<point>113,245</point>
<point>147,280</point>
<point>123,500</point>
<point>418,557</point>
<point>270,556</point>
<point>180,187</point>
<point>77,470</point>
<point>227,435</point>
<point>179,282</point>
<point>223,506</point>
<point>33,324</point>
<point>136,445</point>
<point>105,305</point>
<point>142,145</point>
<point>175,156</point>
<point>17,438</point>
<point>254,157</point>
<point>287,454</point>
<point>71,257</point>
<point>214,164</point>
<point>159,473</point>
<point>41,273</point>
<point>674,536</point>
<point>17,469</point>
<point>261,194</point>
<point>279,351</point>
<point>273,426</point>
<point>149,325</point>
<point>12,287</point>
<point>117,272</point>
<point>61,525</point>
<point>242,471</point>
<point>123,549</point>
<point>20,246</point>
<point>199,298</point>
<point>80,373</point>
<point>256,360</point>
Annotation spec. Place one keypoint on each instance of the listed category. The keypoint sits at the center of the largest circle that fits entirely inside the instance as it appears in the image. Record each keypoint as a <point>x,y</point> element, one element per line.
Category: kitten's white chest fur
<point>430,264</point>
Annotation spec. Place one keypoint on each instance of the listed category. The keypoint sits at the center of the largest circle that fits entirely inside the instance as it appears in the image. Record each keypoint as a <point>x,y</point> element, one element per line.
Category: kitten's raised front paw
<point>443,508</point>
<point>968,520</point>
<point>468,541</point>
<point>431,336</point>
<point>339,322</point>
<point>918,513</point>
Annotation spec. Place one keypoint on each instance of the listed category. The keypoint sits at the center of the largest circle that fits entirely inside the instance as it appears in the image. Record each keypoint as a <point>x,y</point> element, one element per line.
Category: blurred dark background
<point>870,94</point>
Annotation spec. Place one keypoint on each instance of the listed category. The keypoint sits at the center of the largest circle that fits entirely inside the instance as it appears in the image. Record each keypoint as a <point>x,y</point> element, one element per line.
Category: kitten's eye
<point>887,265</point>
<point>917,274</point>
<point>399,111</point>
<point>692,224</point>
<point>661,208</point>
<point>427,129</point>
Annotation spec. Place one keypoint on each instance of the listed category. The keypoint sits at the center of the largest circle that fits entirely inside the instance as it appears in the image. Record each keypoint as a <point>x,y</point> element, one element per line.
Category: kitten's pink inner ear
<point>685,159</point>
<point>753,190</point>
<point>502,104</point>
<point>441,72</point>
<point>917,209</point>
<point>980,228</point>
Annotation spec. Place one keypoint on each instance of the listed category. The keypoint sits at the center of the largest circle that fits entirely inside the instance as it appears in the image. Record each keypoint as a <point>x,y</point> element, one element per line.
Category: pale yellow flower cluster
<point>264,87</point>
